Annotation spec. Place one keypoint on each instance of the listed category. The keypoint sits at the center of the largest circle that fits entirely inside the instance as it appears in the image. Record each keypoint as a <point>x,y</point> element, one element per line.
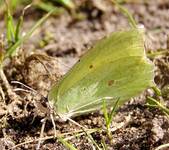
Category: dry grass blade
<point>162,147</point>
<point>77,134</point>
<point>66,144</point>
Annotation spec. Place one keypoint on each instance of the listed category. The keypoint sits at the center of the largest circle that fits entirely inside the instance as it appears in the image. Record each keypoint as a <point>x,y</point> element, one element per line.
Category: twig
<point>162,146</point>
<point>41,133</point>
<point>12,95</point>
<point>2,94</point>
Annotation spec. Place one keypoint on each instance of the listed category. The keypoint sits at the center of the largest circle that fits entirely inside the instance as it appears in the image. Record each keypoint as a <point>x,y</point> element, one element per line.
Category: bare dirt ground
<point>65,38</point>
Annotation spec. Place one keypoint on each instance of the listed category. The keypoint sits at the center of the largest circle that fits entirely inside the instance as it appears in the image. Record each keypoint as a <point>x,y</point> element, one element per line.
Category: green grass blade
<point>105,112</point>
<point>66,3</point>
<point>109,117</point>
<point>113,111</point>
<point>10,29</point>
<point>13,48</point>
<point>18,27</point>
<point>151,102</point>
<point>48,7</point>
<point>66,144</point>
<point>1,55</point>
<point>45,6</point>
<point>157,90</point>
<point>14,3</point>
<point>19,24</point>
<point>158,53</point>
<point>9,25</point>
<point>127,13</point>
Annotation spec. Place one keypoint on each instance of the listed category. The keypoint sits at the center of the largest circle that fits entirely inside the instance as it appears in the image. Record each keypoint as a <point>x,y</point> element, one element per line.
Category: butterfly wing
<point>116,67</point>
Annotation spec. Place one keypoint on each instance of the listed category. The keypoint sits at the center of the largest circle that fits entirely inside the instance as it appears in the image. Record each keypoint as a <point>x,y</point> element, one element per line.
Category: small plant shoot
<point>115,68</point>
<point>109,117</point>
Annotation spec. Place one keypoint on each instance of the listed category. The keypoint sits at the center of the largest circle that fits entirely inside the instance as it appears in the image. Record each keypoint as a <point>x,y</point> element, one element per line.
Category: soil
<point>57,45</point>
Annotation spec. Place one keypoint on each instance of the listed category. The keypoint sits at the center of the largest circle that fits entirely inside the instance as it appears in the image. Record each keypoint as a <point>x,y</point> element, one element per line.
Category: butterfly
<point>115,68</point>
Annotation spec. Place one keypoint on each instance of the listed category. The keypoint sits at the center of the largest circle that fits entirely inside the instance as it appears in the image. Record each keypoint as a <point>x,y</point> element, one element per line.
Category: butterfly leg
<point>54,125</point>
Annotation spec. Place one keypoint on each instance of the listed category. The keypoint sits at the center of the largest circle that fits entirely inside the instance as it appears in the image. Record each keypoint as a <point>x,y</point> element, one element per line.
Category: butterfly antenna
<point>54,125</point>
<point>68,67</point>
<point>27,87</point>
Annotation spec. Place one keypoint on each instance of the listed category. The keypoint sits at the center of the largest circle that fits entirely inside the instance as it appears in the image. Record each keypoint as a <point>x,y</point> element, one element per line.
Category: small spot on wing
<point>110,82</point>
<point>91,66</point>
